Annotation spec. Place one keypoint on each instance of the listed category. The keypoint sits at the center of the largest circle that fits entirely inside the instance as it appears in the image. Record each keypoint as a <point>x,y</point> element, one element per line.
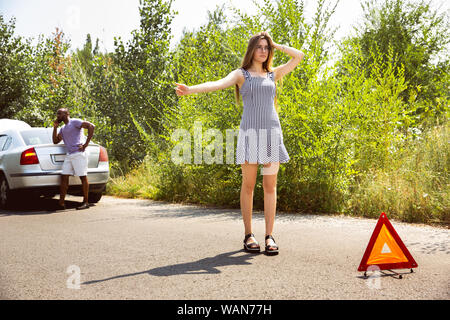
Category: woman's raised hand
<point>277,46</point>
<point>181,89</point>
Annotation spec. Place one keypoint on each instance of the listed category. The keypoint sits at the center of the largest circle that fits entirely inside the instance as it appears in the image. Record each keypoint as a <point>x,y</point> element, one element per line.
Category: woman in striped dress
<point>260,139</point>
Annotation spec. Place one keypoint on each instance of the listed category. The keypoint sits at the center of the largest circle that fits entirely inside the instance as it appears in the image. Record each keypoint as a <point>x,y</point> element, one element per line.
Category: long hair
<point>248,59</point>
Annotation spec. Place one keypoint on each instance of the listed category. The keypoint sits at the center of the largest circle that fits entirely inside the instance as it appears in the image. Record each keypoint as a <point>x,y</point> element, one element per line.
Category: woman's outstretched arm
<point>284,69</point>
<point>230,80</point>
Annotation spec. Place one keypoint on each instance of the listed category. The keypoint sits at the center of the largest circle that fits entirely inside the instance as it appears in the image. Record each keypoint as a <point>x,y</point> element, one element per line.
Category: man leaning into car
<point>75,163</point>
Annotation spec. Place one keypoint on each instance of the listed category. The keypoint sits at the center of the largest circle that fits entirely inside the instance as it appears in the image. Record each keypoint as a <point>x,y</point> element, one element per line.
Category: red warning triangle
<point>385,249</point>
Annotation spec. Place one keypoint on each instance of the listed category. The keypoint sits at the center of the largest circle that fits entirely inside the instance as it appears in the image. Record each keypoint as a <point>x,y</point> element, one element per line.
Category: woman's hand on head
<point>270,37</point>
<point>181,89</point>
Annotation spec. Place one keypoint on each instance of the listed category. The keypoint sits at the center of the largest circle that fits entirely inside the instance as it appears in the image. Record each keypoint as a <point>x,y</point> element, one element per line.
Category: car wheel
<point>6,197</point>
<point>94,197</point>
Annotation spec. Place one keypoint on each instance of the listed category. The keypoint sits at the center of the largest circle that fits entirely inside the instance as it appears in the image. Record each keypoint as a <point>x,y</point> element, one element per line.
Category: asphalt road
<point>139,249</point>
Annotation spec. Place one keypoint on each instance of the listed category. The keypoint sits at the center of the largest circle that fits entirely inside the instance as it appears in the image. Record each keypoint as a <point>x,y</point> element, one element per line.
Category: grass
<point>415,186</point>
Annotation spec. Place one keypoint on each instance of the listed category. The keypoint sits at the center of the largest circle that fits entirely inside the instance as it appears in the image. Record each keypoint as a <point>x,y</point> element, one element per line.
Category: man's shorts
<point>75,164</point>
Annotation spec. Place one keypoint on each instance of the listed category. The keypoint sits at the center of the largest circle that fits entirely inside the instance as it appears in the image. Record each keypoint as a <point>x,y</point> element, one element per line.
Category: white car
<point>30,164</point>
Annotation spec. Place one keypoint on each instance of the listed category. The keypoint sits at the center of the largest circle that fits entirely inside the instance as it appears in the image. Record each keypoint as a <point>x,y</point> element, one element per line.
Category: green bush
<point>414,187</point>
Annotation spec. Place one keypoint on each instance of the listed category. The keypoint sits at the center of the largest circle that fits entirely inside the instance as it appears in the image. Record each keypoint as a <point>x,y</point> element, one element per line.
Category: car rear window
<point>37,136</point>
<point>2,141</point>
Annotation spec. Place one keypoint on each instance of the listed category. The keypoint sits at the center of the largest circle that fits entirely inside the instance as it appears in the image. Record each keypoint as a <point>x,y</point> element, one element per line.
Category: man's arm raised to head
<point>57,137</point>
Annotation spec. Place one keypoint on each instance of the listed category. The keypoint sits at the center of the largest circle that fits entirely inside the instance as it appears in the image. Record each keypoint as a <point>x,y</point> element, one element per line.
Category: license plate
<point>59,157</point>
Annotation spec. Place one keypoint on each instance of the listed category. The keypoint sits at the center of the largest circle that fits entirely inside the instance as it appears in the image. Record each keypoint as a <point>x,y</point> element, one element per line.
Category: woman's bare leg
<point>249,172</point>
<point>270,172</point>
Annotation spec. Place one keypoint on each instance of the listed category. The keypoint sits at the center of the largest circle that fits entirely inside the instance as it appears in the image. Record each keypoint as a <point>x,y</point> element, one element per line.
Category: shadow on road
<point>36,206</point>
<point>206,265</point>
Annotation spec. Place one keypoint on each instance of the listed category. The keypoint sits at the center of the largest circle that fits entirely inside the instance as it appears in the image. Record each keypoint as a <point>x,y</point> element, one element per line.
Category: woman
<point>260,129</point>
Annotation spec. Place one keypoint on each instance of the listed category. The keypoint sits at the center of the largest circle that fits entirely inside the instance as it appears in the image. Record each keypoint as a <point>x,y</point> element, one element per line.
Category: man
<point>75,163</point>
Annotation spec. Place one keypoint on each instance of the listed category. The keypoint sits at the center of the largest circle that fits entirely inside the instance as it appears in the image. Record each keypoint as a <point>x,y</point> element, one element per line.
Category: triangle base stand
<point>400,276</point>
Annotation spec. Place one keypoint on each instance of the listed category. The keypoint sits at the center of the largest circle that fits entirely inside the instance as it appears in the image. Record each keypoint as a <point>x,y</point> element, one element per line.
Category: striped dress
<point>260,139</point>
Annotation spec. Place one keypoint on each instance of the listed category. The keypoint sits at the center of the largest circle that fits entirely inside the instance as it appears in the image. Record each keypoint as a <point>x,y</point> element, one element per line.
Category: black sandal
<point>268,250</point>
<point>252,247</point>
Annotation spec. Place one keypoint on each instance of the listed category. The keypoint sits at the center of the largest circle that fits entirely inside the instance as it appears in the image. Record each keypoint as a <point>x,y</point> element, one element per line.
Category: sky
<point>106,19</point>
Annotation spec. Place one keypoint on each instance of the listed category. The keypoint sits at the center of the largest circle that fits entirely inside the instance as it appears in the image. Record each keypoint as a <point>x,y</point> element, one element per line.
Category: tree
<point>418,36</point>
<point>14,70</point>
<point>142,82</point>
<point>50,81</point>
<point>86,55</point>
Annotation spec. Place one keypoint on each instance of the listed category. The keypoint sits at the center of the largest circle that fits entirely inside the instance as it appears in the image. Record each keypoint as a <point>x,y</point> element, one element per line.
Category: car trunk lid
<point>51,156</point>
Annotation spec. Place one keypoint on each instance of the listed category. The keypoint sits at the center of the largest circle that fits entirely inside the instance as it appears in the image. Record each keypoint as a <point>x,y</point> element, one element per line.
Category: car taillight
<point>103,155</point>
<point>29,156</point>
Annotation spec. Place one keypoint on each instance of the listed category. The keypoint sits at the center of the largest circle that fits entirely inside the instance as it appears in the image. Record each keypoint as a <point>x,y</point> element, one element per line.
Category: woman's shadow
<point>206,265</point>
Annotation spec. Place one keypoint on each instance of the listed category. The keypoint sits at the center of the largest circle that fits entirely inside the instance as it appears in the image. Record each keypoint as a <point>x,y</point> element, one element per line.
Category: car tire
<point>94,197</point>
<point>6,195</point>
